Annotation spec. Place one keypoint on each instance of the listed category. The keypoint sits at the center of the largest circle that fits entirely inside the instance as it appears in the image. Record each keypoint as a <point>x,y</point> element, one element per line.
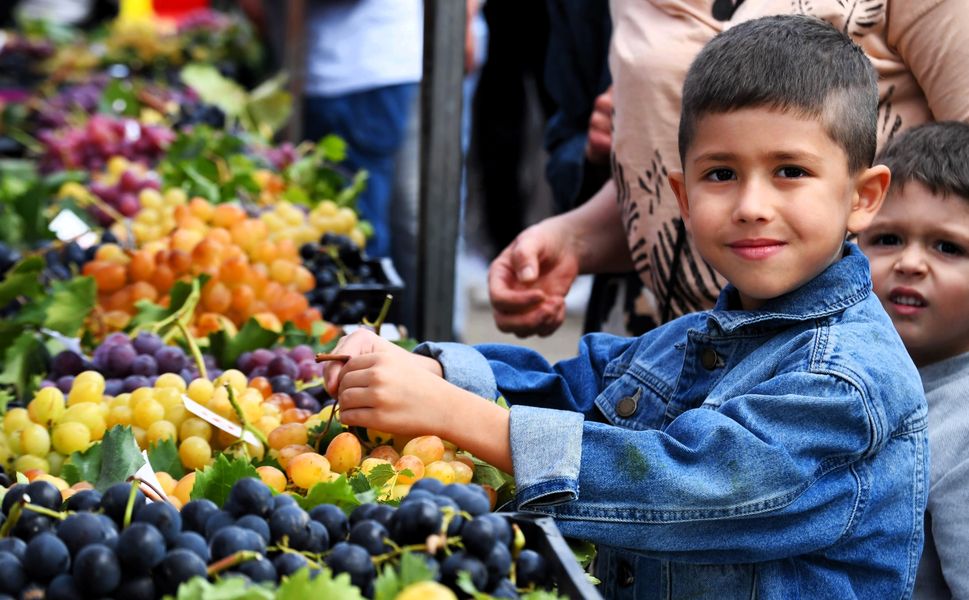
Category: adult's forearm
<point>595,232</point>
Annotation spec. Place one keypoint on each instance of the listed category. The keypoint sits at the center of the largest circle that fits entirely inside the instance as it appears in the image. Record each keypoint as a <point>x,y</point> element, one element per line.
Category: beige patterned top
<point>919,47</point>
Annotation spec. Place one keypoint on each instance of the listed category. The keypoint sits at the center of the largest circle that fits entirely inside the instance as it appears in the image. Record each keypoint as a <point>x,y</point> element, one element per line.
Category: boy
<point>773,447</point>
<point>918,246</point>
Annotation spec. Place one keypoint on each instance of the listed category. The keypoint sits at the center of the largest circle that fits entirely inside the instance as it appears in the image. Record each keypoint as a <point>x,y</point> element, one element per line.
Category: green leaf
<point>316,436</point>
<point>112,460</point>
<point>120,458</point>
<point>163,456</point>
<point>229,588</point>
<point>226,349</point>
<point>413,569</point>
<point>83,466</point>
<point>22,280</point>
<point>338,492</point>
<point>24,363</point>
<point>583,551</point>
<point>29,206</point>
<point>300,586</point>
<point>150,313</point>
<point>380,475</point>
<point>5,397</point>
<point>119,98</point>
<point>467,586</point>
<point>270,105</point>
<point>542,595</point>
<point>213,88</point>
<point>70,302</point>
<point>215,481</point>
<point>203,186</point>
<point>387,585</point>
<point>332,148</point>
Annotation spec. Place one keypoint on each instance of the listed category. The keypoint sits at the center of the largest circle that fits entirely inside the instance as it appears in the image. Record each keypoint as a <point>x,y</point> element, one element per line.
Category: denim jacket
<point>777,453</point>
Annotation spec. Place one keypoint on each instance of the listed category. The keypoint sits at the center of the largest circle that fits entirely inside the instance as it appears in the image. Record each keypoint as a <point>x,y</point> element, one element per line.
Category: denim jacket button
<point>709,359</point>
<point>627,406</point>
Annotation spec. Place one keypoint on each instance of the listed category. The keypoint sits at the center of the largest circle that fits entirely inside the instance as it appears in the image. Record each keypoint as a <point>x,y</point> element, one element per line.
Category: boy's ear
<point>678,185</point>
<point>871,186</point>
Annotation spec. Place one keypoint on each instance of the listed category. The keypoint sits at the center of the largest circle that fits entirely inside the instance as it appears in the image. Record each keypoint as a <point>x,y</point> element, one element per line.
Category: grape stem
<point>384,310</point>
<point>232,560</point>
<point>246,426</point>
<point>194,348</point>
<point>46,511</point>
<point>129,508</point>
<point>12,518</point>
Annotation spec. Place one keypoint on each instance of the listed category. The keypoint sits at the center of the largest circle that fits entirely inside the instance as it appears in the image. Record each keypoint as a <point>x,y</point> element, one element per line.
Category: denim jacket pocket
<point>723,581</point>
<point>633,397</point>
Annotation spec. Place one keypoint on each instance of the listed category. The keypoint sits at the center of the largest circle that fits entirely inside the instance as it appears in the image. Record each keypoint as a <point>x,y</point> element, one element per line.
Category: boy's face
<point>768,198</point>
<point>918,246</point>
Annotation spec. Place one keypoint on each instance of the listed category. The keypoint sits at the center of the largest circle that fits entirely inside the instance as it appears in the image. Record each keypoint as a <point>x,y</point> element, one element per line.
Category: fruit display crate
<point>369,296</point>
<point>544,537</point>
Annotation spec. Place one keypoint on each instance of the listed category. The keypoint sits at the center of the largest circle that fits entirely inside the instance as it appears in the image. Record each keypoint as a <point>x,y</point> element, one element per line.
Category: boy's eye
<point>949,248</point>
<point>720,175</point>
<point>885,239</point>
<point>791,172</point>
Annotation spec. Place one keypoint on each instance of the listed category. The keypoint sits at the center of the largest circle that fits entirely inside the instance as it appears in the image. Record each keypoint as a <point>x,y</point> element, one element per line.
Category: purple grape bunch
<point>127,364</point>
<point>284,367</point>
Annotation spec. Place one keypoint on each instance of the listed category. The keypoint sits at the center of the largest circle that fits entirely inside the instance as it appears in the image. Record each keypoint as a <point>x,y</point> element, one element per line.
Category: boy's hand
<point>383,390</point>
<point>364,341</point>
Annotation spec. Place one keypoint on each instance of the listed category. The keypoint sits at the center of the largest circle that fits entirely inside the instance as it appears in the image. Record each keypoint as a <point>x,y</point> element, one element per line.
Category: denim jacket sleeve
<point>780,463</point>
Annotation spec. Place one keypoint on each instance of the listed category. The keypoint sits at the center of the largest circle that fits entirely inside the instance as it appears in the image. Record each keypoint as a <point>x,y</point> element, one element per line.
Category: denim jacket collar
<point>844,283</point>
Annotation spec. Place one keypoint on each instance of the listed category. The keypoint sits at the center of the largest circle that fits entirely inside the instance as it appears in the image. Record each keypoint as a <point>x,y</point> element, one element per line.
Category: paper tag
<point>68,226</point>
<point>146,473</point>
<point>219,421</point>
<point>388,331</point>
<point>71,343</point>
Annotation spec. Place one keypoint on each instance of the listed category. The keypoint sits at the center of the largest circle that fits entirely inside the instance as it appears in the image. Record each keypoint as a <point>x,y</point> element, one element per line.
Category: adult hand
<point>528,281</point>
<point>598,143</point>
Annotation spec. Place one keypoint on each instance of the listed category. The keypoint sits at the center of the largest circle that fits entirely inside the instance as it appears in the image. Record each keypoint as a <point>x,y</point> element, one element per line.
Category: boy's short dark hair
<point>793,63</point>
<point>934,154</point>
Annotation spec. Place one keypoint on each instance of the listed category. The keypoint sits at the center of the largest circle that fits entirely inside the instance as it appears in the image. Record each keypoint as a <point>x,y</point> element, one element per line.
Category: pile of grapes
<point>336,262</point>
<point>82,547</point>
<point>91,146</point>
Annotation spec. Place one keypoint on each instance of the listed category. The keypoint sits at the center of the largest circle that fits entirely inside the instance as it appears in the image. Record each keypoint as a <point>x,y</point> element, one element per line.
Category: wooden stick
<point>323,357</point>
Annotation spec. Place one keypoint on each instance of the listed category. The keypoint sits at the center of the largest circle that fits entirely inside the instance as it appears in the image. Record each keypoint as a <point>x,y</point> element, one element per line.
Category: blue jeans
<point>372,123</point>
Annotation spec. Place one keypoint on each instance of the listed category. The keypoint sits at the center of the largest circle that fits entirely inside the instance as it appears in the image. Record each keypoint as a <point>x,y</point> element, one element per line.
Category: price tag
<point>68,226</point>
<point>388,331</point>
<point>218,420</point>
<point>146,473</point>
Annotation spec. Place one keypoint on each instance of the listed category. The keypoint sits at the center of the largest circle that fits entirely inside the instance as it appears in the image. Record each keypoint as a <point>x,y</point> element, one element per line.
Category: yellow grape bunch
<point>288,221</point>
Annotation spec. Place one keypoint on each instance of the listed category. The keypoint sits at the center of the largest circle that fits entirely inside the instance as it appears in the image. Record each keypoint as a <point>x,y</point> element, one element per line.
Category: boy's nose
<point>753,203</point>
<point>911,260</point>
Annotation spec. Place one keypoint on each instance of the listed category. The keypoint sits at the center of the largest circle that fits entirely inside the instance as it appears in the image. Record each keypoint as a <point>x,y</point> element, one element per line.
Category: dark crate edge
<point>544,536</point>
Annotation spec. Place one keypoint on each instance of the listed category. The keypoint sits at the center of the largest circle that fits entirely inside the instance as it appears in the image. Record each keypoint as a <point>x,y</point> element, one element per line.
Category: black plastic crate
<point>544,537</point>
<point>371,295</point>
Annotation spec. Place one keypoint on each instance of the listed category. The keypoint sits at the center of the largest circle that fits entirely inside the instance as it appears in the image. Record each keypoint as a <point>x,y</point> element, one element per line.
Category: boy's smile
<point>768,198</point>
<point>918,247</point>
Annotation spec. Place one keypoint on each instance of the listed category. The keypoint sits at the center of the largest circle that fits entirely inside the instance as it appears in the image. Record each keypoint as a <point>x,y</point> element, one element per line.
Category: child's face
<point>918,246</point>
<point>768,199</point>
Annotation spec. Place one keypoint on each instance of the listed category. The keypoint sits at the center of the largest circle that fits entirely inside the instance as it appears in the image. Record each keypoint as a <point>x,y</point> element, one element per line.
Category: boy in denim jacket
<point>773,447</point>
<point>918,246</point>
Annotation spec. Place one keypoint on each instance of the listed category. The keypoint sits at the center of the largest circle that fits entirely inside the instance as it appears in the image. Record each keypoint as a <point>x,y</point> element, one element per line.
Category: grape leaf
<point>542,595</point>
<point>380,475</point>
<point>215,481</point>
<point>300,586</point>
<point>150,313</point>
<point>214,88</point>
<point>105,463</point>
<point>5,398</point>
<point>82,466</point>
<point>337,492</point>
<point>226,349</point>
<point>413,569</point>
<point>163,456</point>
<point>69,304</point>
<point>332,148</point>
<point>229,588</point>
<point>320,441</point>
<point>22,280</point>
<point>24,361</point>
<point>387,585</point>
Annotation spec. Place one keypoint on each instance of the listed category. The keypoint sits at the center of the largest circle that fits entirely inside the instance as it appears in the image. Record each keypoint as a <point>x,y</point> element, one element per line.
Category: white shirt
<point>357,45</point>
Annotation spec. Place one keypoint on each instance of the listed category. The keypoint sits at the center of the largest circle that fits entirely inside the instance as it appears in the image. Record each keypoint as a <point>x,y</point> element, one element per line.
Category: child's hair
<point>792,63</point>
<point>934,154</point>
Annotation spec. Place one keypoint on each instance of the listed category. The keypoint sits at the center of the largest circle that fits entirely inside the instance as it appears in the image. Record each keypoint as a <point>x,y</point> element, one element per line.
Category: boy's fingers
<point>360,417</point>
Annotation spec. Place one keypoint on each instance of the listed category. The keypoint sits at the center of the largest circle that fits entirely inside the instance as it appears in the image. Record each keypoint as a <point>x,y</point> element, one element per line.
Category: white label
<point>146,473</point>
<point>219,421</point>
<point>388,331</point>
<point>68,226</point>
